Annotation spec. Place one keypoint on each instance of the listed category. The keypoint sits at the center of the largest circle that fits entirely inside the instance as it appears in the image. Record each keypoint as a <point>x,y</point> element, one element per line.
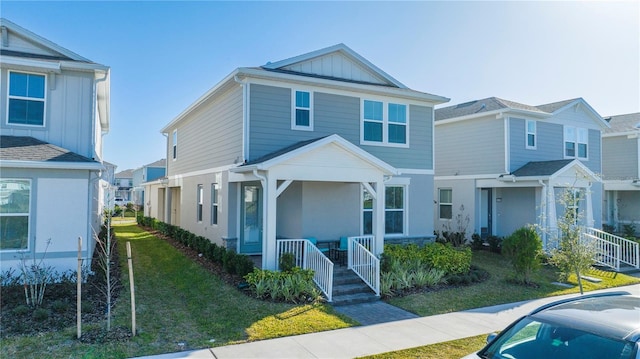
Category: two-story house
<point>54,110</point>
<point>123,183</point>
<point>147,173</point>
<point>321,145</point>
<point>505,164</point>
<point>621,171</point>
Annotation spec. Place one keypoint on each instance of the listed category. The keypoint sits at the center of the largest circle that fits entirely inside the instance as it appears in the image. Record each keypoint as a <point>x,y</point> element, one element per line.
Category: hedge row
<point>439,256</point>
<point>231,262</point>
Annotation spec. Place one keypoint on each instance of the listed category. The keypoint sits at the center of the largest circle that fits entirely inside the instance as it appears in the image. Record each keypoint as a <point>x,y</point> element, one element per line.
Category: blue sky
<point>164,55</point>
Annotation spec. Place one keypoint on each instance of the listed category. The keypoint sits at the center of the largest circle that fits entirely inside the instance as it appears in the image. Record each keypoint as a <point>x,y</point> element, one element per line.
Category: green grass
<point>499,290</point>
<point>447,350</point>
<point>178,301</point>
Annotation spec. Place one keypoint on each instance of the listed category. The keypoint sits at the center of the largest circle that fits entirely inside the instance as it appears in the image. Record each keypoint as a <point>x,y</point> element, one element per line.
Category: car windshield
<point>530,339</point>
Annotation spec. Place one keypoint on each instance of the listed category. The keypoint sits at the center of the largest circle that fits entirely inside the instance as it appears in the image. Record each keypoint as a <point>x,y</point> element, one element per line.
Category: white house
<point>54,110</point>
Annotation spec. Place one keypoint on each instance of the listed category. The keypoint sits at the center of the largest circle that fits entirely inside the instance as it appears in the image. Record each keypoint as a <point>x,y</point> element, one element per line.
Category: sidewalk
<point>380,338</point>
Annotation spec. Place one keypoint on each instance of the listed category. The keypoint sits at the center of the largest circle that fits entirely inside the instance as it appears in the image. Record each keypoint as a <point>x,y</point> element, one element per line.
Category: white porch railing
<point>363,262</point>
<point>629,251</point>
<point>608,253</point>
<point>307,256</point>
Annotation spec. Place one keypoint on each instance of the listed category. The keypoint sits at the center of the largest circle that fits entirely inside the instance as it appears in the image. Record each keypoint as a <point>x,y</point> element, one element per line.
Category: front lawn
<point>499,290</point>
<point>180,305</point>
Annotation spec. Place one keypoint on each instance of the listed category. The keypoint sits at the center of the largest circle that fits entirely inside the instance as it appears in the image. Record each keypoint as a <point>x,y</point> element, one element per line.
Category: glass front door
<point>251,226</point>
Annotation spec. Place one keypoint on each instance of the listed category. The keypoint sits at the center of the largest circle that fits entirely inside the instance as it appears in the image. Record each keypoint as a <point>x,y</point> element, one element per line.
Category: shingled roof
<point>541,168</point>
<point>493,104</point>
<point>623,123</point>
<point>23,148</point>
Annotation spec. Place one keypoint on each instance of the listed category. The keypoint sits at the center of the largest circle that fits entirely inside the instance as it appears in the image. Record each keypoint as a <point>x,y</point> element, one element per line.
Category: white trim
<point>468,177</point>
<point>35,99</point>
<point>23,64</point>
<point>198,173</point>
<point>527,133</point>
<point>501,113</point>
<point>629,134</point>
<point>385,123</point>
<point>445,203</point>
<point>576,142</point>
<point>91,166</point>
<point>507,146</point>
<point>32,197</point>
<point>405,210</point>
<point>414,171</point>
<point>581,102</point>
<point>174,144</point>
<point>294,108</point>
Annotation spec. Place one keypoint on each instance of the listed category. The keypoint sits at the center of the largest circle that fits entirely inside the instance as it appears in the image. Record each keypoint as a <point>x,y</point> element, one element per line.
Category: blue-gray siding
<point>620,158</point>
<point>270,126</point>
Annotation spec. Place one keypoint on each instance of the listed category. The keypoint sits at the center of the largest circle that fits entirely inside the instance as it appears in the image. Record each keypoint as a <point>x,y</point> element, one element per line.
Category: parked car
<point>120,202</point>
<point>597,326</point>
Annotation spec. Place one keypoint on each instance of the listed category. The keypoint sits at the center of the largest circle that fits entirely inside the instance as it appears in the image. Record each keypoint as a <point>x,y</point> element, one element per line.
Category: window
<point>531,134</point>
<point>26,99</point>
<point>302,116</point>
<point>214,203</point>
<point>574,196</point>
<point>175,144</point>
<point>384,125</point>
<point>200,195</point>
<point>15,195</point>
<point>367,212</point>
<point>576,142</point>
<point>394,210</point>
<point>446,203</point>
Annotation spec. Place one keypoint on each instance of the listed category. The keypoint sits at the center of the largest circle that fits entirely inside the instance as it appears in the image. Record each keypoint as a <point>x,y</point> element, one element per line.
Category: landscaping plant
<point>524,249</point>
<point>293,286</point>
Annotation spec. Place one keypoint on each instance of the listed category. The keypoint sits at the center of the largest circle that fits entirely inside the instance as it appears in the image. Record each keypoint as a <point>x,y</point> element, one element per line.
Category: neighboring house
<point>146,173</point>
<point>54,111</point>
<point>123,183</point>
<point>507,164</point>
<point>321,145</point>
<point>621,171</point>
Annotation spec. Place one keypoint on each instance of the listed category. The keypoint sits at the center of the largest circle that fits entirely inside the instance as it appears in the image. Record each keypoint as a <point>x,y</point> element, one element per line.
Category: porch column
<point>269,223</point>
<point>590,221</point>
<point>552,223</point>
<point>543,213</point>
<point>379,223</point>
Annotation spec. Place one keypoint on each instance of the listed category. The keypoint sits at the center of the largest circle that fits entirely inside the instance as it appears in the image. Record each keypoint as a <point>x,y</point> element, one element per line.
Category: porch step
<point>348,288</point>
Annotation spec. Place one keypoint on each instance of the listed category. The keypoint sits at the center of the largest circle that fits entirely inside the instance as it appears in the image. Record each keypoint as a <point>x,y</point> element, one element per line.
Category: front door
<point>486,212</point>
<point>251,219</point>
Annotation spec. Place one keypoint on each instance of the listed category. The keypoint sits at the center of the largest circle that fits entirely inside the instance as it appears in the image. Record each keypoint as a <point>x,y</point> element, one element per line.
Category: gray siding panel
<point>68,113</point>
<point>549,143</point>
<point>270,126</point>
<point>470,147</point>
<point>594,162</point>
<point>210,137</point>
<point>620,158</point>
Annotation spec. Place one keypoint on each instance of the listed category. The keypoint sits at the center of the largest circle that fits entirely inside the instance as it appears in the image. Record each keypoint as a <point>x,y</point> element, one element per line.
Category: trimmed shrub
<point>295,286</point>
<point>287,262</point>
<point>524,250</point>
<point>495,244</point>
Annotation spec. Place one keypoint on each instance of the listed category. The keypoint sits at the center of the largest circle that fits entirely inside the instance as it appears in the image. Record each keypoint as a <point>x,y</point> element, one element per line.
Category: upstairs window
<point>15,210</point>
<point>384,124</point>
<point>302,116</point>
<point>576,142</point>
<point>175,144</point>
<point>26,99</point>
<point>531,134</point>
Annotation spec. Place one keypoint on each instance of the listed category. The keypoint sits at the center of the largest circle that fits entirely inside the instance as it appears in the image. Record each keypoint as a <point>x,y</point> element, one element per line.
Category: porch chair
<point>314,241</point>
<point>340,254</point>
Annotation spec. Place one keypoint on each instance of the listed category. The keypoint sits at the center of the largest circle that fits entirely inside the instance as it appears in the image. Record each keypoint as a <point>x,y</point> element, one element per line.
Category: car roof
<point>616,315</point>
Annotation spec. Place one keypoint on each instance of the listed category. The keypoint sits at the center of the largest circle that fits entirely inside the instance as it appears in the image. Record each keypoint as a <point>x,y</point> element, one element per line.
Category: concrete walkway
<point>380,338</point>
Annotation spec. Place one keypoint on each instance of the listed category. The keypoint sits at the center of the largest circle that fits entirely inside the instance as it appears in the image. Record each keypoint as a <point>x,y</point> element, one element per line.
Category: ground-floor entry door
<point>486,212</point>
<point>251,218</point>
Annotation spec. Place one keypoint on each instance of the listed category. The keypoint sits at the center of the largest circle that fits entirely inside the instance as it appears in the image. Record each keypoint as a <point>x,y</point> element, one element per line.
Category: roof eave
<point>90,166</point>
<point>501,113</point>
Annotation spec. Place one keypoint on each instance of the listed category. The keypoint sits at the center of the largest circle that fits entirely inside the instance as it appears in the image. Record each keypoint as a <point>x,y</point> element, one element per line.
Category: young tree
<point>574,253</point>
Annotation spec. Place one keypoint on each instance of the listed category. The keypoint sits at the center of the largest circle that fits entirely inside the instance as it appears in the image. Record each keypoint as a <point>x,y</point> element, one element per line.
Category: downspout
<point>93,116</point>
<point>245,115</point>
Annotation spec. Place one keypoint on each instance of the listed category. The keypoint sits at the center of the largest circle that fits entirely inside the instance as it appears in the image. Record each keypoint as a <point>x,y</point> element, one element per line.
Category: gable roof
<point>294,71</point>
<point>64,54</point>
<point>541,168</point>
<point>23,151</point>
<point>158,163</point>
<point>284,154</point>
<point>628,123</point>
<point>124,174</point>
<point>327,59</point>
<point>494,105</point>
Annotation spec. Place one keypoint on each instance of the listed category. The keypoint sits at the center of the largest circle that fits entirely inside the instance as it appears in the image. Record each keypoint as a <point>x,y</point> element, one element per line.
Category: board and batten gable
<point>210,136</point>
<point>270,126</point>
<point>620,157</point>
<point>69,104</point>
<point>470,147</point>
